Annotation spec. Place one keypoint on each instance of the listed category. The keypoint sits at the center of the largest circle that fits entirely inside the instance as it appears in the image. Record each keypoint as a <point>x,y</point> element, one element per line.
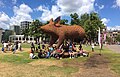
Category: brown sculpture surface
<point>60,32</point>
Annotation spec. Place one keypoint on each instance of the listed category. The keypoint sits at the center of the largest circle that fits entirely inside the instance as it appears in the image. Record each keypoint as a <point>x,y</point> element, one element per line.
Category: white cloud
<point>2,4</point>
<point>14,1</point>
<point>66,7</point>
<point>21,13</point>
<point>105,21</point>
<point>78,6</point>
<point>99,6</point>
<point>117,4</point>
<point>48,14</point>
<point>4,20</point>
<point>113,28</point>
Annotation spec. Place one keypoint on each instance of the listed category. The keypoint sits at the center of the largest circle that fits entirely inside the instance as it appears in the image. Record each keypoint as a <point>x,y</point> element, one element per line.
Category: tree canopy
<point>90,22</point>
<point>118,38</point>
<point>34,29</point>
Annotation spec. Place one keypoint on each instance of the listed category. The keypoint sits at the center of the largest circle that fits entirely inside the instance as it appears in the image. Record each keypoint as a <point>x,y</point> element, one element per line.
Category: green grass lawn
<point>26,45</point>
<point>23,59</point>
<point>70,65</point>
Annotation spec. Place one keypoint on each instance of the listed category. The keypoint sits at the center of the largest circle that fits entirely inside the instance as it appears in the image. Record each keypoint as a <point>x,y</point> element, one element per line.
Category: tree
<point>109,40</point>
<point>25,32</point>
<point>93,23</point>
<point>118,38</point>
<point>64,21</point>
<point>75,19</point>
<point>6,35</point>
<point>90,22</point>
<point>34,29</point>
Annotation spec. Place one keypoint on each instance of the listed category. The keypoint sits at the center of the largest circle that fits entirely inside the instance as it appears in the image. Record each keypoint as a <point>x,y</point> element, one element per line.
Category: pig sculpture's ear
<point>57,21</point>
<point>51,20</point>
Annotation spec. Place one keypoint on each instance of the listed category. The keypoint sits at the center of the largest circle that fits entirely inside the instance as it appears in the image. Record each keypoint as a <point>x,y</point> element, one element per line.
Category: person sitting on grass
<point>43,46</point>
<point>70,50</point>
<point>32,55</point>
<point>53,52</point>
<point>75,53</point>
<point>83,53</point>
<point>40,54</point>
<point>44,54</point>
<point>51,49</point>
<point>47,53</point>
<point>59,53</point>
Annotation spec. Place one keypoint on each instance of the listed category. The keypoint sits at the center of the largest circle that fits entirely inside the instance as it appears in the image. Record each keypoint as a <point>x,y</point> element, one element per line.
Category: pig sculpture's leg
<point>61,39</point>
<point>53,39</point>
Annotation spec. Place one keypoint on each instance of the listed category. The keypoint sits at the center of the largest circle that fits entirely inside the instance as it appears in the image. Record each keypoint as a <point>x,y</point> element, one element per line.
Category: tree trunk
<point>36,40</point>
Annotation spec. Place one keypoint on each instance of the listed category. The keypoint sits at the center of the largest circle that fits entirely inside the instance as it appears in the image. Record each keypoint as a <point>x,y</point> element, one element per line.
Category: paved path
<point>115,48</point>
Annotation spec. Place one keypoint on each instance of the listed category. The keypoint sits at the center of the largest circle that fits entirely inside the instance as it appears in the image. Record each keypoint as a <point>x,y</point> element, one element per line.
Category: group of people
<point>67,49</point>
<point>8,46</point>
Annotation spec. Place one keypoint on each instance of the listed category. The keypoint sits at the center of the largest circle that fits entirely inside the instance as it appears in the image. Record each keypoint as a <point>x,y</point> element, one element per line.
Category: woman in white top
<point>19,46</point>
<point>5,46</point>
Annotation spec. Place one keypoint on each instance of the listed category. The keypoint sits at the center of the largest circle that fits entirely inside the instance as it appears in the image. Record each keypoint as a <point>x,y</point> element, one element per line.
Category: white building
<point>21,38</point>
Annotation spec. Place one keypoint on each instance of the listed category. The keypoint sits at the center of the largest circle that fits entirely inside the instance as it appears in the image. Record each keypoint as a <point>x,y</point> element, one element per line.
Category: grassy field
<point>114,58</point>
<point>38,67</point>
<point>22,66</point>
<point>19,64</point>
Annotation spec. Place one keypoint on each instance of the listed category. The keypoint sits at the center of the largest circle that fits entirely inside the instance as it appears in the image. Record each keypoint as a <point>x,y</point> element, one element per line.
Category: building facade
<point>21,38</point>
<point>24,25</point>
<point>17,33</point>
<point>15,29</point>
<point>1,34</point>
<point>112,35</point>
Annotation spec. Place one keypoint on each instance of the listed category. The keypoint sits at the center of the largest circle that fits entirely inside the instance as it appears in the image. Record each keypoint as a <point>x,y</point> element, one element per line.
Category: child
<point>92,47</point>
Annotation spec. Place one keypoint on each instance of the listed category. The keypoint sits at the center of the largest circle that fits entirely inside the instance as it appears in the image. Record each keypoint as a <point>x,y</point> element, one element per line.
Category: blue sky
<point>12,12</point>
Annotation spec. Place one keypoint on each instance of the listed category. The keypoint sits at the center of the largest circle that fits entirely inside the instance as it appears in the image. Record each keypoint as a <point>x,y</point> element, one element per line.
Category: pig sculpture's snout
<point>42,28</point>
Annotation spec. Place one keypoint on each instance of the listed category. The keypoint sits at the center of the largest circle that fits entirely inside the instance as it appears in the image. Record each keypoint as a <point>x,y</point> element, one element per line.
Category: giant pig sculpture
<point>60,32</point>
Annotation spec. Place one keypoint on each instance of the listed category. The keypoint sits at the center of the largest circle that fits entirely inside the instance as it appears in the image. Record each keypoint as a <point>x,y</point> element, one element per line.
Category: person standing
<point>16,45</point>
<point>80,47</point>
<point>39,46</point>
<point>14,48</point>
<point>32,46</point>
<point>19,46</point>
<point>92,47</point>
<point>5,46</point>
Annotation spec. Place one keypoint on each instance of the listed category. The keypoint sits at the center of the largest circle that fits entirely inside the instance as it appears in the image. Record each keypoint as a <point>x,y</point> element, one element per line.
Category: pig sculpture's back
<point>61,32</point>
